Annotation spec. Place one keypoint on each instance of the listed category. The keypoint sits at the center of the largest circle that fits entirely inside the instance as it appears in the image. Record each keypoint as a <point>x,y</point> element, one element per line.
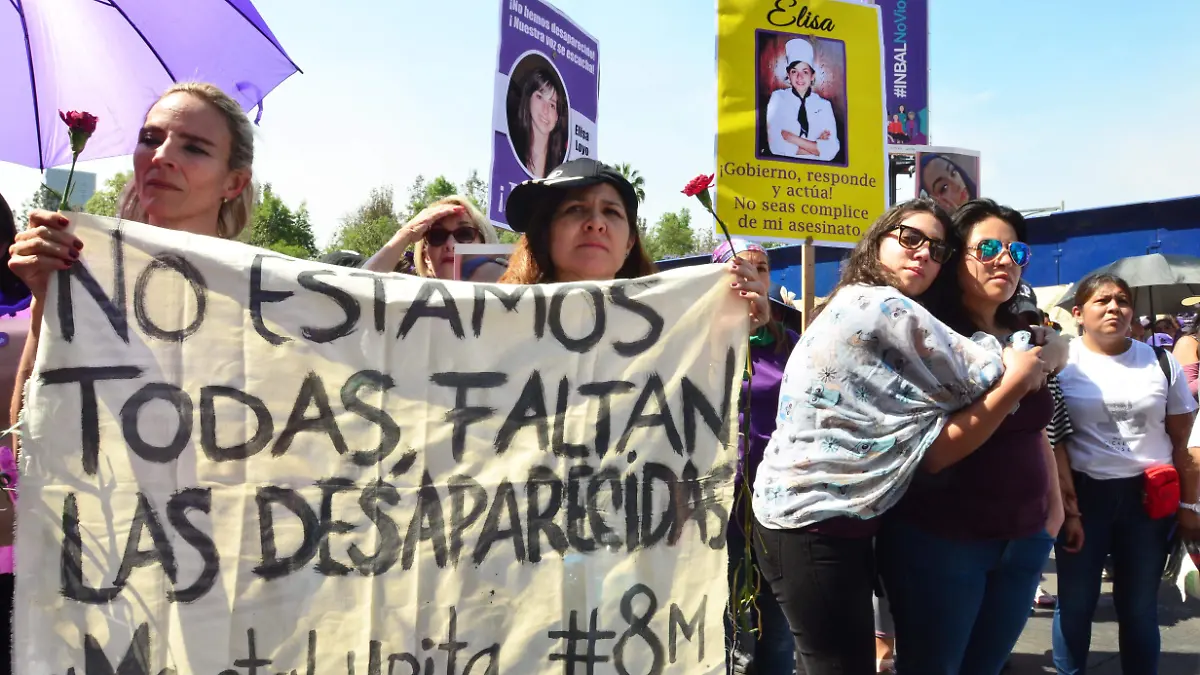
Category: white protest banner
<point>237,463</point>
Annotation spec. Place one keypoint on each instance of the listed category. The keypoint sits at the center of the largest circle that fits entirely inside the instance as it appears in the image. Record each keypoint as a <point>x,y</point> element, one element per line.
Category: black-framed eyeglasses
<point>988,250</point>
<point>463,235</point>
<point>912,239</point>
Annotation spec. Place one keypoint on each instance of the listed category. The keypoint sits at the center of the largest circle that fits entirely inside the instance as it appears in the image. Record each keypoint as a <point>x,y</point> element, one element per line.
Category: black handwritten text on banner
<point>246,463</point>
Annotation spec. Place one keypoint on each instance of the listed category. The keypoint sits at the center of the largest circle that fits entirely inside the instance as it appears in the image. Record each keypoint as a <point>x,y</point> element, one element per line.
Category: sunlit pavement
<point>1179,623</point>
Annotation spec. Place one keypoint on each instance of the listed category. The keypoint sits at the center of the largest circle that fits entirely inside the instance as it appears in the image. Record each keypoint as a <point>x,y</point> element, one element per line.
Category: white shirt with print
<point>1118,407</point>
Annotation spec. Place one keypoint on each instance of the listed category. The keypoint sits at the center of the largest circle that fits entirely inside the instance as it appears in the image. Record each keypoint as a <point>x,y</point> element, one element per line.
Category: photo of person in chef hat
<point>801,122</point>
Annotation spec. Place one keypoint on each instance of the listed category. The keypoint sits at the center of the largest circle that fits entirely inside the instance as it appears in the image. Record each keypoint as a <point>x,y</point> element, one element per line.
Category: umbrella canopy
<point>1160,282</point>
<point>114,58</point>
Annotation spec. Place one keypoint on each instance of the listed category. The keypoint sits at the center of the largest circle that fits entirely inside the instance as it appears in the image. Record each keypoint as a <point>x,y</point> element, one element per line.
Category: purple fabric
<point>1161,340</point>
<point>88,56</point>
<point>732,247</point>
<point>768,367</point>
<point>8,467</point>
<point>998,492</point>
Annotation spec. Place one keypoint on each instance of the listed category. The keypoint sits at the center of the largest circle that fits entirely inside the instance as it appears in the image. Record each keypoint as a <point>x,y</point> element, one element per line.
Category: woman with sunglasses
<point>962,553</point>
<point>875,385</point>
<point>435,231</point>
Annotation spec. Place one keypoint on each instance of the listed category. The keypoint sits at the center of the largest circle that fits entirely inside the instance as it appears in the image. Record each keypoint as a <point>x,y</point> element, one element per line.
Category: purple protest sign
<point>906,70</point>
<point>544,110</point>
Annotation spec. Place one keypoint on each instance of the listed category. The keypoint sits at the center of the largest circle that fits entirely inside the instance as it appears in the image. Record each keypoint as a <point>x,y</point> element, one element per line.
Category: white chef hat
<point>799,49</point>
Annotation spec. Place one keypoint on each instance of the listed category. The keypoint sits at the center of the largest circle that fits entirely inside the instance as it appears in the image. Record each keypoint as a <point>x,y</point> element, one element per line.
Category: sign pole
<point>808,285</point>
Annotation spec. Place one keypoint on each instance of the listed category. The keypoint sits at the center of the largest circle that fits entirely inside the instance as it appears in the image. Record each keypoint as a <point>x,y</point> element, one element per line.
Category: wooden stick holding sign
<point>808,284</point>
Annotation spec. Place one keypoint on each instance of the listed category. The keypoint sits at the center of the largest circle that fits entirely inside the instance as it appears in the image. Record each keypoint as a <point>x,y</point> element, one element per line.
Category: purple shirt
<point>768,364</point>
<point>1000,491</point>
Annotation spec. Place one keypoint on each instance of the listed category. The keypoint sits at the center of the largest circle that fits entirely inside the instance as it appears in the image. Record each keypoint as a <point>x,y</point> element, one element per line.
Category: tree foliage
<point>43,198</point>
<point>671,236</point>
<point>276,227</point>
<point>635,179</point>
<point>105,200</point>
<point>422,194</point>
<point>371,225</point>
<point>475,189</point>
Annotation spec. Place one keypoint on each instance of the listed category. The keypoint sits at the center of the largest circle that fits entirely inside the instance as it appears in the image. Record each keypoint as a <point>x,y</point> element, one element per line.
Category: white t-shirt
<point>1118,406</point>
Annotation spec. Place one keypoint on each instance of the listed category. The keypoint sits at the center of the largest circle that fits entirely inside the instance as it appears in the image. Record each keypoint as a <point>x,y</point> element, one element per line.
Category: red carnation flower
<point>81,126</point>
<point>82,122</point>
<point>698,184</point>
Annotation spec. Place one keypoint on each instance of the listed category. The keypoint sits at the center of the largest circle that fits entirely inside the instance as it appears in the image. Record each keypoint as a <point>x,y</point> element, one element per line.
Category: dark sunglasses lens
<point>436,237</point>
<point>910,238</point>
<point>940,253</point>
<point>1020,253</point>
<point>989,249</point>
<point>466,235</point>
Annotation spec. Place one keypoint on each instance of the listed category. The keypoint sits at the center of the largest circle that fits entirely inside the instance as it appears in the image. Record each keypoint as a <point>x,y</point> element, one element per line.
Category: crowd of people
<point>922,477</point>
<point>912,456</point>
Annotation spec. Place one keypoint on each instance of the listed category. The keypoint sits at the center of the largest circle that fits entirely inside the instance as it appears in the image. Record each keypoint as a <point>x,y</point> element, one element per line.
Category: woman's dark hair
<point>972,189</point>
<point>864,267</point>
<point>1088,287</point>
<point>12,289</point>
<point>8,223</point>
<point>531,264</point>
<point>947,292</point>
<point>556,145</point>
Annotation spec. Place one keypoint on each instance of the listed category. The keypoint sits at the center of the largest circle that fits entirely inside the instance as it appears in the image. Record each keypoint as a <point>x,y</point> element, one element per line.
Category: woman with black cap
<point>580,224</point>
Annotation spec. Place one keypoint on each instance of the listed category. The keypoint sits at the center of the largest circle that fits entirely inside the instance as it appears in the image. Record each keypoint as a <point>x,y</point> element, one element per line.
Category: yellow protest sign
<point>800,152</point>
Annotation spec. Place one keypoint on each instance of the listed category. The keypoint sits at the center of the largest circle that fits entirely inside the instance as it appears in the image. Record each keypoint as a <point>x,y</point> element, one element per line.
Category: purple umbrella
<point>113,58</point>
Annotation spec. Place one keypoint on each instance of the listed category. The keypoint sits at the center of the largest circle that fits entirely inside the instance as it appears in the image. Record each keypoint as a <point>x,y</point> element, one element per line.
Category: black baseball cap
<point>577,173</point>
<point>1025,300</point>
<point>343,258</point>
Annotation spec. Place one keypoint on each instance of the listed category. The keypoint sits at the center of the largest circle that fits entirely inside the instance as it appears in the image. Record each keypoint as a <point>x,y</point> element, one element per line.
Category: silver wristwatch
<point>1195,508</point>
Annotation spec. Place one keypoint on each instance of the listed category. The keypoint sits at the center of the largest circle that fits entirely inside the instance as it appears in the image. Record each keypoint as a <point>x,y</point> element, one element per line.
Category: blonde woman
<point>435,231</point>
<point>191,173</point>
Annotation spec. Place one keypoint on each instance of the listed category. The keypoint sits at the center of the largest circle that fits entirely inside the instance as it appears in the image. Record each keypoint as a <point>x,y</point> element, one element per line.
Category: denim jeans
<point>774,651</point>
<point>959,605</point>
<point>1114,522</point>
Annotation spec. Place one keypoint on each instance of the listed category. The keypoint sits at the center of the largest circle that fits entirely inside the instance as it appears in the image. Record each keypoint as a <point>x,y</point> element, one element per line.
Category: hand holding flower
<point>42,249</point>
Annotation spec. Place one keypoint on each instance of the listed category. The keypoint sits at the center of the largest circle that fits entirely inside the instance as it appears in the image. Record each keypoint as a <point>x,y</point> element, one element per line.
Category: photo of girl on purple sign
<point>537,115</point>
<point>544,101</point>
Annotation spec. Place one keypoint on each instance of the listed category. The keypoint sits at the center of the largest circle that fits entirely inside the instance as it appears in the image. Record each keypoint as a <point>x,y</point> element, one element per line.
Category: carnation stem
<point>724,230</point>
<point>747,581</point>
<point>64,203</point>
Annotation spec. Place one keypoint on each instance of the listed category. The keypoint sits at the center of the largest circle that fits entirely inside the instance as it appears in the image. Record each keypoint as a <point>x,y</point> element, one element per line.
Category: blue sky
<point>1087,102</point>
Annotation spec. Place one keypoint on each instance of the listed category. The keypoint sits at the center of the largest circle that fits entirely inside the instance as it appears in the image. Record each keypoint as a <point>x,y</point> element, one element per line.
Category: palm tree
<point>635,179</point>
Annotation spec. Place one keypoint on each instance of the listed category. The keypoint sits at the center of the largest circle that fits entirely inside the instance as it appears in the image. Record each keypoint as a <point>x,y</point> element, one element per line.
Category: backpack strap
<point>1164,363</point>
